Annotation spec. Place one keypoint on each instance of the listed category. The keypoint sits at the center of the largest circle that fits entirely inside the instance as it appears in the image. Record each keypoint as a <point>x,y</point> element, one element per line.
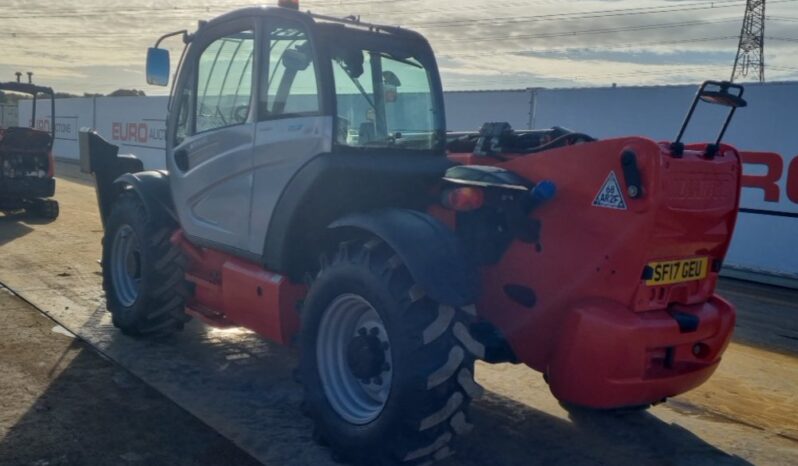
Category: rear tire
<point>403,380</point>
<point>45,208</point>
<point>143,272</point>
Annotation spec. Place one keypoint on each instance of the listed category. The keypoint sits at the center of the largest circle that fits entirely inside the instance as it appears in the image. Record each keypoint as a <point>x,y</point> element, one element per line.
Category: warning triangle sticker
<point>610,194</point>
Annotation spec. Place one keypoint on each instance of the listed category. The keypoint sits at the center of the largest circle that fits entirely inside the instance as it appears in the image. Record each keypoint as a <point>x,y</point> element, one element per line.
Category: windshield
<point>384,99</point>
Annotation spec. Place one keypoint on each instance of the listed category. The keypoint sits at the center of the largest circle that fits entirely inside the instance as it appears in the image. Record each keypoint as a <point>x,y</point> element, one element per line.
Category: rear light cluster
<point>463,199</point>
<point>466,198</point>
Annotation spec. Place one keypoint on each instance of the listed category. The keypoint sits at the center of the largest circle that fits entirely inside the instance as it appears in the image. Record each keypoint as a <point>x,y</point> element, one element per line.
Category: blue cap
<point>544,190</point>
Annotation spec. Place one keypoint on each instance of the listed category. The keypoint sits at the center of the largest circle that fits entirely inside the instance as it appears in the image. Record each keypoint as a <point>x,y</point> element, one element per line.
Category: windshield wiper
<point>400,60</point>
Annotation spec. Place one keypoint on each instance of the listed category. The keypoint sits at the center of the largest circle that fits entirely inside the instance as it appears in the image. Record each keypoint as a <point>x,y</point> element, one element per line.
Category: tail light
<point>463,199</point>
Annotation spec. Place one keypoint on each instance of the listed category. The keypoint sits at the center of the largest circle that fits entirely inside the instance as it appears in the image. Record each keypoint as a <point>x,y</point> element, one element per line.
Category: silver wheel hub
<point>353,353</point>
<point>126,265</point>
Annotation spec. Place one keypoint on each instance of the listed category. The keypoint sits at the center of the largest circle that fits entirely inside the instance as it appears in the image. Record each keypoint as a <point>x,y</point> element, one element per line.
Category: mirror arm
<point>183,32</point>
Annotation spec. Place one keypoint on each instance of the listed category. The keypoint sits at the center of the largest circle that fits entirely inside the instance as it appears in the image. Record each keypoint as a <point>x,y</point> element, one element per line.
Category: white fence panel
<point>70,116</point>
<point>767,227</point>
<point>8,115</point>
<point>467,111</point>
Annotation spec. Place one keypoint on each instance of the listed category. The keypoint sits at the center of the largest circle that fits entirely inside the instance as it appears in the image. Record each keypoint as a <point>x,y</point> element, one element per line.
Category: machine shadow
<point>13,226</point>
<point>76,421</point>
<point>511,433</point>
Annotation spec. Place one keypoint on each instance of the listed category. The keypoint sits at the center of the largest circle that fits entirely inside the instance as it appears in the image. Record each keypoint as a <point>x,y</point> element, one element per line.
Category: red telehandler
<point>314,196</point>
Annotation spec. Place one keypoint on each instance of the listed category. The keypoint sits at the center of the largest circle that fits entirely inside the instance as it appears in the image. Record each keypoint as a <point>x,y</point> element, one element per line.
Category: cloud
<point>99,46</point>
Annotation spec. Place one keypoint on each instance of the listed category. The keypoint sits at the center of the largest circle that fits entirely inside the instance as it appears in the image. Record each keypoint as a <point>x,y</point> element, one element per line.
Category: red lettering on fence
<point>792,180</point>
<point>130,132</point>
<point>769,182</point>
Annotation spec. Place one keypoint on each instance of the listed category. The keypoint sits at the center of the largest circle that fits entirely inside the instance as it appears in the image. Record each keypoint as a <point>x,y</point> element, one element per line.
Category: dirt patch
<point>754,387</point>
<point>63,404</point>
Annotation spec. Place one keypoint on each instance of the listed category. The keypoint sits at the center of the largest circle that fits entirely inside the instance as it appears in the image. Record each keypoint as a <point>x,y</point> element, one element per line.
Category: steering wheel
<point>241,113</point>
<point>342,134</point>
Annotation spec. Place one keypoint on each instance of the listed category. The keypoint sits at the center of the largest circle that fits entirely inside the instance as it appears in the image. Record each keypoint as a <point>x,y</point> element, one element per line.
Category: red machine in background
<point>27,165</point>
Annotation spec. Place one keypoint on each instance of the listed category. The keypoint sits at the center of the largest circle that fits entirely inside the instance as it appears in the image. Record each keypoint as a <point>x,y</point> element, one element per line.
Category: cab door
<point>209,154</point>
<point>292,127</point>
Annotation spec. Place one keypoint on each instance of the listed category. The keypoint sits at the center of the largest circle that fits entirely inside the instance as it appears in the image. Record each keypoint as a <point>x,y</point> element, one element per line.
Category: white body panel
<point>282,147</point>
<point>215,192</point>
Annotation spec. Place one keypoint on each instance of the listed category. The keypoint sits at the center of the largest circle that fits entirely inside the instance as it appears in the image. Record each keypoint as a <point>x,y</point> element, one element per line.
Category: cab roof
<point>310,17</point>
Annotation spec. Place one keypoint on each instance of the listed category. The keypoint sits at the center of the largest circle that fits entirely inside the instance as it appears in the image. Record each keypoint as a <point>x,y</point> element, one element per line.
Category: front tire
<point>143,276</point>
<point>387,371</point>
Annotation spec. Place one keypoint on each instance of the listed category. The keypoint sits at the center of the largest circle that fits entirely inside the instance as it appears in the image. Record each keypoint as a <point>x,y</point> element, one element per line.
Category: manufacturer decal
<point>610,194</point>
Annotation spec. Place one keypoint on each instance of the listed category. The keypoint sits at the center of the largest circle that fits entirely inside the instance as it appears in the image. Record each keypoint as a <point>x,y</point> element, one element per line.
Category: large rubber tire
<point>431,357</point>
<point>155,304</point>
<point>45,208</point>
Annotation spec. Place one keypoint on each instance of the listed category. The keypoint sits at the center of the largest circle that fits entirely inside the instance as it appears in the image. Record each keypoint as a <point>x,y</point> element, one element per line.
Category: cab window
<point>224,82</point>
<point>290,86</point>
<point>384,97</point>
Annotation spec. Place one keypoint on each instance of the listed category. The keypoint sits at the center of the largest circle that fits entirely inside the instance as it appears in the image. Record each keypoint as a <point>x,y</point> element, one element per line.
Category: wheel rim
<point>126,265</point>
<point>354,359</point>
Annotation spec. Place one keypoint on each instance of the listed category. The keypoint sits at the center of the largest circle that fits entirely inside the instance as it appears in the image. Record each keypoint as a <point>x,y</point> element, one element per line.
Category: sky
<point>100,45</point>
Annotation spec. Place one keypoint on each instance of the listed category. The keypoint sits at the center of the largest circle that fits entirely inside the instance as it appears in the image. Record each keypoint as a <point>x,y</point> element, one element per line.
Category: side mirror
<point>157,66</point>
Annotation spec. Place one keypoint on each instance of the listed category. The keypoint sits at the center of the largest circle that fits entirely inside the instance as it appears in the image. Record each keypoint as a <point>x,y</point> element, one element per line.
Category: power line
<point>547,35</point>
<point>783,39</point>
<point>212,8</point>
<point>634,10</point>
<point>485,39</point>
<point>578,48</point>
<point>577,77</point>
<point>583,15</point>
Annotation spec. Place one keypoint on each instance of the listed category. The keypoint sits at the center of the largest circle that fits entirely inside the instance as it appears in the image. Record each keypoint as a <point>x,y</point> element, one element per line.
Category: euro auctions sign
<point>140,133</point>
<point>778,182</point>
<point>137,125</point>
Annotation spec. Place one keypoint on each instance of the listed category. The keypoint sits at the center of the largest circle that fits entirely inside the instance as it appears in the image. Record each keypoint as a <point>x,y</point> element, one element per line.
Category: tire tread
<point>159,309</point>
<point>440,409</point>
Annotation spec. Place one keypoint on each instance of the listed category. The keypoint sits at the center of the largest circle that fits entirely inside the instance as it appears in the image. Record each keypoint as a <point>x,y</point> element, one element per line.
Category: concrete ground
<point>64,404</point>
<point>241,385</point>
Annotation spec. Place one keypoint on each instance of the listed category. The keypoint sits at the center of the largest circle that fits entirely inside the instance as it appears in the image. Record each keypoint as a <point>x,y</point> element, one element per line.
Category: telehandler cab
<point>313,196</point>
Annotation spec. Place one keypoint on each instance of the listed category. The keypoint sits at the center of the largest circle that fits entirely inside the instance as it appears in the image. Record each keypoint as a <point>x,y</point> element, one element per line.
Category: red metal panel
<point>260,300</point>
<point>232,291</point>
<point>597,255</point>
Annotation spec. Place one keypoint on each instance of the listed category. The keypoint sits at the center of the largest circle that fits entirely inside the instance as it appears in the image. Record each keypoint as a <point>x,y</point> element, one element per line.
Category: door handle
<point>181,159</point>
